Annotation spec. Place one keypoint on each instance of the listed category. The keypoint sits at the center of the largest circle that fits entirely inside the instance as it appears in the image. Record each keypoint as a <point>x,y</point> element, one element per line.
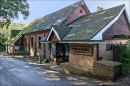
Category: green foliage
<point>125,57</point>
<point>14,33</point>
<point>31,26</point>
<point>46,61</point>
<point>10,10</point>
<point>5,33</point>
<point>2,39</point>
<point>13,26</point>
<point>99,9</point>
<point>27,29</point>
<point>122,36</point>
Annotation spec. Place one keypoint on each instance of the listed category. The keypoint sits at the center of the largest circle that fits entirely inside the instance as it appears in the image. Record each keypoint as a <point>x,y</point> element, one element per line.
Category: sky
<point>40,8</point>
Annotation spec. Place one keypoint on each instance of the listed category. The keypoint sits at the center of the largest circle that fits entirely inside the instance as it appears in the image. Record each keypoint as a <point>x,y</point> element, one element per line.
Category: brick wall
<point>10,49</point>
<point>82,60</point>
<point>35,50</point>
<point>75,14</point>
<point>107,70</point>
<point>120,27</point>
<point>108,55</point>
<point>103,70</point>
<point>32,48</point>
<point>27,47</point>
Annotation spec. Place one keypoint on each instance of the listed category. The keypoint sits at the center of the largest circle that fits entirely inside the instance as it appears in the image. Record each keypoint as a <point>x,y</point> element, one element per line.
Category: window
<point>25,42</point>
<point>39,44</point>
<point>31,41</point>
<point>66,49</point>
<point>109,47</point>
<point>81,11</point>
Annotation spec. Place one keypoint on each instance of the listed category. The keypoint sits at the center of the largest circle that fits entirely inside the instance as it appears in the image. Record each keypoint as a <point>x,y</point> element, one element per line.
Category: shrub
<point>125,57</point>
<point>46,61</point>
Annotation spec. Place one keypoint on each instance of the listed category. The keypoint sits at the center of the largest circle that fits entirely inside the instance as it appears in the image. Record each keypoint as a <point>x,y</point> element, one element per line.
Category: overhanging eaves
<point>50,33</point>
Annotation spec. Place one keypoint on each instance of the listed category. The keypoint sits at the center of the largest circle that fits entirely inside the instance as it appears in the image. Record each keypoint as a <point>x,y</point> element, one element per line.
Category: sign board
<point>82,50</point>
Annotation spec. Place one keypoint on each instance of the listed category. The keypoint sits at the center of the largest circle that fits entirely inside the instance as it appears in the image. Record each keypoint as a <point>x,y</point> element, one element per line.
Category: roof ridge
<point>62,8</point>
<point>95,13</point>
<point>74,4</point>
<point>51,13</point>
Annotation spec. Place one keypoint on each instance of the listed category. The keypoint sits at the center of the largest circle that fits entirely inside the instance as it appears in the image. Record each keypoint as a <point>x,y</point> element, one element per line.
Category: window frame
<point>39,43</point>
<point>32,41</point>
<point>81,11</point>
<point>25,39</point>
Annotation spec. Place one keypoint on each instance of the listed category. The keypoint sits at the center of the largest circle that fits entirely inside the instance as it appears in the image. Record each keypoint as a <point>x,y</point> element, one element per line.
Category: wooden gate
<point>116,52</point>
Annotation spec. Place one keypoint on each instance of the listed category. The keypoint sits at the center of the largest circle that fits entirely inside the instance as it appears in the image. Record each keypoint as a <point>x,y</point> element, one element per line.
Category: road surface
<point>16,72</point>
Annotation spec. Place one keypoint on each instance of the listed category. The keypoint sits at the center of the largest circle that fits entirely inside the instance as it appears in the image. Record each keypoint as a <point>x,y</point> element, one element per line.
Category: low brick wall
<point>107,70</point>
<point>103,70</point>
<point>70,68</point>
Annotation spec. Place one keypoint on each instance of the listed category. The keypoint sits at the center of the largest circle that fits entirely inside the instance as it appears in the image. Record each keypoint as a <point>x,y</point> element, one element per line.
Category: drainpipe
<point>24,46</point>
<point>44,46</point>
<point>29,44</point>
<point>35,46</point>
<point>97,52</point>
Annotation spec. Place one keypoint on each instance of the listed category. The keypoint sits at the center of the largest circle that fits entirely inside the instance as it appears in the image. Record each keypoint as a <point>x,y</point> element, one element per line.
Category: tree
<point>125,55</point>
<point>5,34</point>
<point>2,39</point>
<point>13,26</point>
<point>10,10</point>
<point>99,9</point>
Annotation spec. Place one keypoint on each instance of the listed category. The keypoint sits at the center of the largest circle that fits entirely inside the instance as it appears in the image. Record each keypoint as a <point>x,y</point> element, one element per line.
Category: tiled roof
<point>61,30</point>
<point>43,23</point>
<point>56,18</point>
<point>87,26</point>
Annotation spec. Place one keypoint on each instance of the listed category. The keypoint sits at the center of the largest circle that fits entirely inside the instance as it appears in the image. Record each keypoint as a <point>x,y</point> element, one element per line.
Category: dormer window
<point>81,11</point>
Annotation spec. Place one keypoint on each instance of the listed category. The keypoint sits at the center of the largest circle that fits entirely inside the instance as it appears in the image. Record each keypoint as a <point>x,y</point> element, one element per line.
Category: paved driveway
<point>16,72</point>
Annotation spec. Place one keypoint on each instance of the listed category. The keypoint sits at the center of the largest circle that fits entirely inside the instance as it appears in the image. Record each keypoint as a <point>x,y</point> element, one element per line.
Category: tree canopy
<point>10,10</point>
<point>99,9</point>
<point>5,34</point>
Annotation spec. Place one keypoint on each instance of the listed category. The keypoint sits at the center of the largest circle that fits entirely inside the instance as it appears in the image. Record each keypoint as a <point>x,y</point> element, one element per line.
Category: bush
<point>46,61</point>
<point>125,57</point>
<point>2,48</point>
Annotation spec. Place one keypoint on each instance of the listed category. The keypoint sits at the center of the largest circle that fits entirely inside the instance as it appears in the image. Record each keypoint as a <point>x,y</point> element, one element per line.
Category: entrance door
<point>62,52</point>
<point>53,49</point>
